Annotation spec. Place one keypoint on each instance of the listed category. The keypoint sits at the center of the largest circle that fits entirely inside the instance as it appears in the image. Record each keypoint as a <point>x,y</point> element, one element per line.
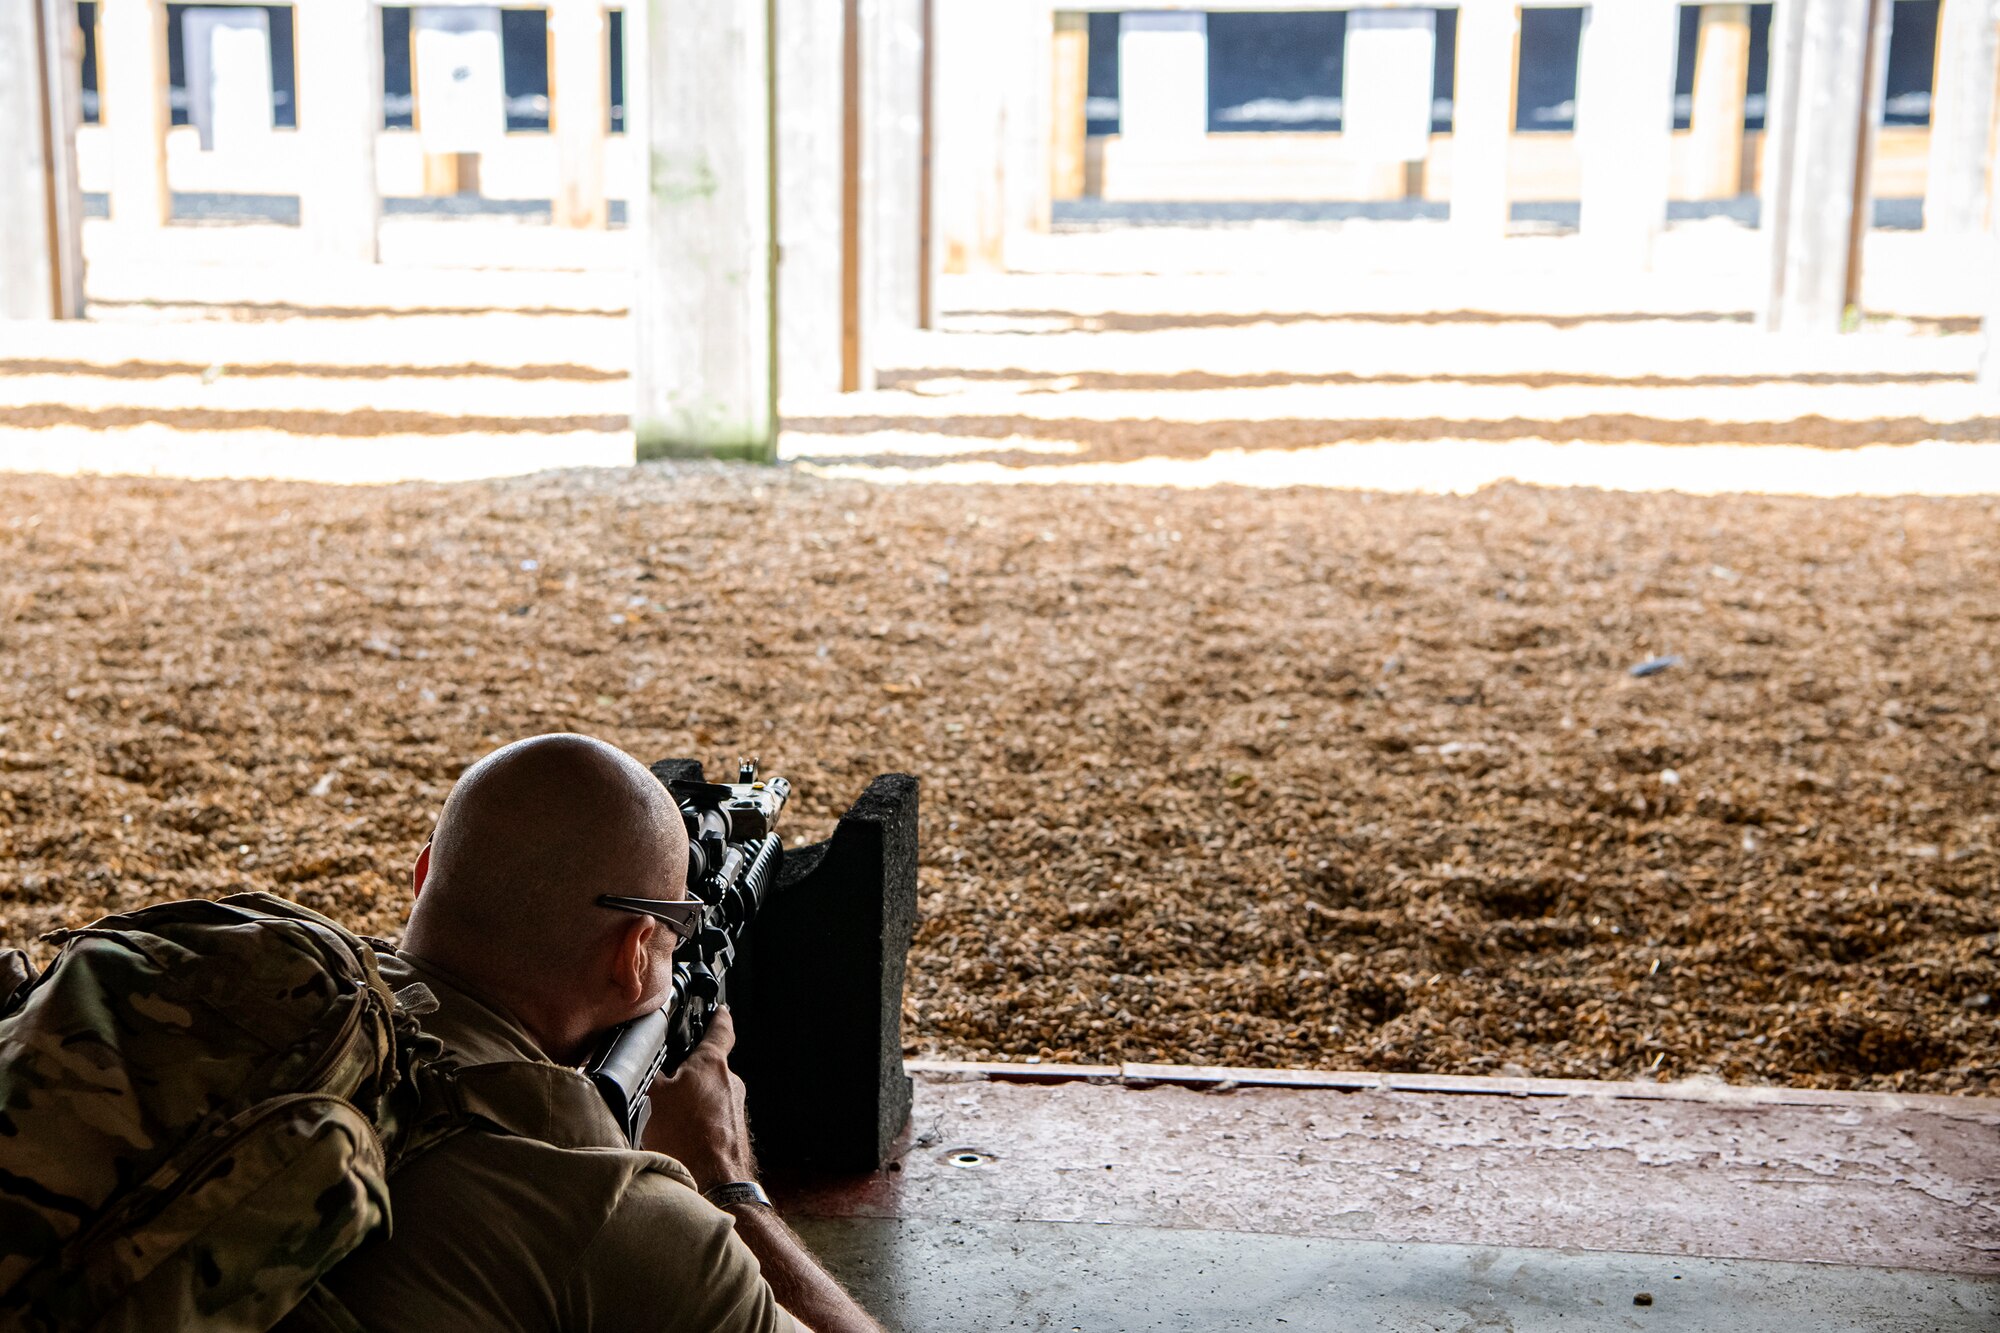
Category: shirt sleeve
<point>670,1261</point>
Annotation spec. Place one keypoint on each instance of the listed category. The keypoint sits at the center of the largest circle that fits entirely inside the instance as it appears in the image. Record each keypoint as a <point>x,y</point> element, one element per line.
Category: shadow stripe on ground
<point>1113,440</point>
<point>1128,440</point>
<point>359,424</point>
<point>160,370</point>
<point>270,310</point>
<point>1189,381</point>
<point>1112,321</point>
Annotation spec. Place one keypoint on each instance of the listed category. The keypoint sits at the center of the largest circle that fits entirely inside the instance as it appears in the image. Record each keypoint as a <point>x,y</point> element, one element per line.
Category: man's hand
<point>698,1117</point>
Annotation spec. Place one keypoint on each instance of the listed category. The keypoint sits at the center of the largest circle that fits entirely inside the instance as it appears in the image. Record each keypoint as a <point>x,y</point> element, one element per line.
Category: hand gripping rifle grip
<point>627,1068</point>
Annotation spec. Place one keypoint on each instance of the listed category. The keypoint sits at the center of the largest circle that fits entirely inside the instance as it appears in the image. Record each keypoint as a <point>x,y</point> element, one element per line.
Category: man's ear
<point>631,966</point>
<point>420,872</point>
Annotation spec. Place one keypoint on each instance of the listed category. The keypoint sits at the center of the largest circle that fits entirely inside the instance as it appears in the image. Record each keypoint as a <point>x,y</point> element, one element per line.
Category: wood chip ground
<point>1297,777</point>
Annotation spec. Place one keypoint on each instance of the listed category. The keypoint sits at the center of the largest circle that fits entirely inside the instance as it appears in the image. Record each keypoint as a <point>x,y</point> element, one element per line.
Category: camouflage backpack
<point>200,1105</point>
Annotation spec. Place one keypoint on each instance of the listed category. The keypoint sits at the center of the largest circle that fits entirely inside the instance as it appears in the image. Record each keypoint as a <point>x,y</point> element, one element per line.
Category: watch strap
<point>735,1193</point>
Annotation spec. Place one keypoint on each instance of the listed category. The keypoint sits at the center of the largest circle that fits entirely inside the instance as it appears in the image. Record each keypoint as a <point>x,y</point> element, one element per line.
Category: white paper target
<point>228,54</point>
<point>1385,108</point>
<point>461,94</point>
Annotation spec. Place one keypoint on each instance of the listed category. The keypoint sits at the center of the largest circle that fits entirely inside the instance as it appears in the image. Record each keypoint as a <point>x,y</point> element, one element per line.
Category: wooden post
<point>1819,64</point>
<point>811,109</point>
<point>340,113</point>
<point>1625,124</point>
<point>1482,117</point>
<point>1968,44</point>
<point>1071,61</point>
<point>1163,80</point>
<point>447,174</point>
<point>705,310</point>
<point>41,253</point>
<point>1874,97</point>
<point>133,76</point>
<point>968,143</point>
<point>580,60</point>
<point>892,84</point>
<point>1721,83</point>
<point>1026,64</point>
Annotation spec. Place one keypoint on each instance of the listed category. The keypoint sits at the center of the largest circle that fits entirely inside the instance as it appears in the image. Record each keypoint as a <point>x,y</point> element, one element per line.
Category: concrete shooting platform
<point>1172,1197</point>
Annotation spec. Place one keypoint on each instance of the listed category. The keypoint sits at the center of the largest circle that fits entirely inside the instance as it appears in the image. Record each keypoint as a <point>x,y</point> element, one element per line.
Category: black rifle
<point>732,864</point>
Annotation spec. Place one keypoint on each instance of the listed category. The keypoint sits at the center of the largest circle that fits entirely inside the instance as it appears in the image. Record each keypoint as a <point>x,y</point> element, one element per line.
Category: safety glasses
<point>683,915</point>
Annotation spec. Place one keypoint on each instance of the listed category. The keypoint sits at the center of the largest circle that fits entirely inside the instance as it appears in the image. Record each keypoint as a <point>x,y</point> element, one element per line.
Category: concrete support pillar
<point>1721,82</point>
<point>1071,69</point>
<point>340,113</point>
<point>1482,117</point>
<point>1968,45</point>
<point>1025,175</point>
<point>705,374</point>
<point>1625,126</point>
<point>811,109</point>
<point>1825,97</point>
<point>580,57</point>
<point>892,128</point>
<point>968,139</point>
<point>41,208</point>
<point>1163,80</point>
<point>132,75</point>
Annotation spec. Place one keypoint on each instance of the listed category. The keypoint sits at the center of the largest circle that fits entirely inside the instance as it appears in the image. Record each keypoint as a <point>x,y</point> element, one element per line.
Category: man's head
<point>507,888</point>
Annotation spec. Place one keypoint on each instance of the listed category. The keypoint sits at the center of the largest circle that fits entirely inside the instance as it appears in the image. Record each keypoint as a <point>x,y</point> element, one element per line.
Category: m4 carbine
<point>732,863</point>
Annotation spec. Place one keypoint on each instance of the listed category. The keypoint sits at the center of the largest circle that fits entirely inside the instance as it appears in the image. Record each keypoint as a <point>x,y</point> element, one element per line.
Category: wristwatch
<point>736,1193</point>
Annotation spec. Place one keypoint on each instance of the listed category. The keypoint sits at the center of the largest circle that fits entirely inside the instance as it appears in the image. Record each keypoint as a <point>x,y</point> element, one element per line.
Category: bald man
<point>560,1224</point>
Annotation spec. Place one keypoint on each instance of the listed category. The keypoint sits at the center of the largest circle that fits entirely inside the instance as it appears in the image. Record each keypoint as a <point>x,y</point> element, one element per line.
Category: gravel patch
<point>1283,777</point>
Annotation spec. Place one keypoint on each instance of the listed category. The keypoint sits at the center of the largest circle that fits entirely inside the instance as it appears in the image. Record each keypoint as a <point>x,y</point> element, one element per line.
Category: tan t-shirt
<point>492,1231</point>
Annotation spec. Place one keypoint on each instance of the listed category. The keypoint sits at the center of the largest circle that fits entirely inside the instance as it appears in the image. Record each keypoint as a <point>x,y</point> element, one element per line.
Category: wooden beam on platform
<point>1962,103</point>
<point>1625,126</point>
<point>705,373</point>
<point>580,67</point>
<point>340,113</point>
<point>132,72</point>
<point>1482,118</point>
<point>1815,192</point>
<point>1071,69</point>
<point>1721,85</point>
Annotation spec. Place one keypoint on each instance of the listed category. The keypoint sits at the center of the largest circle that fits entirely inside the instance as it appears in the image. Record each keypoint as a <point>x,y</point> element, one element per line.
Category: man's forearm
<point>807,1291</point>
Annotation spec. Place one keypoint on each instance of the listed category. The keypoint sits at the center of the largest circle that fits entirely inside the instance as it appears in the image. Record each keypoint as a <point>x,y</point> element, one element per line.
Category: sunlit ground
<point>1364,355</point>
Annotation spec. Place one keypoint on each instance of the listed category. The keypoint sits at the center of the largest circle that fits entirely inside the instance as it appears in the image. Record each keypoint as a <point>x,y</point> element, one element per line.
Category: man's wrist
<point>737,1194</point>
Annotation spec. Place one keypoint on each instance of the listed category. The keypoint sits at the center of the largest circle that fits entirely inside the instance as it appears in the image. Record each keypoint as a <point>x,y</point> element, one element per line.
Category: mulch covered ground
<point>1263,778</point>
